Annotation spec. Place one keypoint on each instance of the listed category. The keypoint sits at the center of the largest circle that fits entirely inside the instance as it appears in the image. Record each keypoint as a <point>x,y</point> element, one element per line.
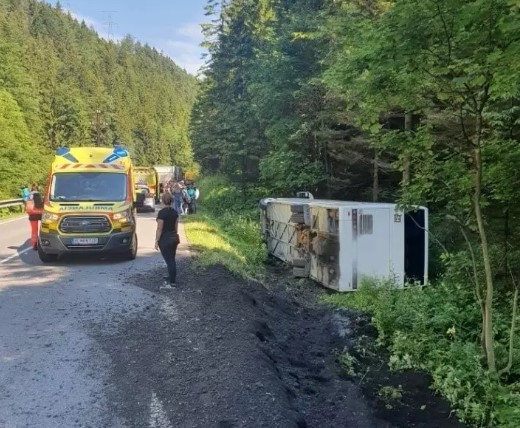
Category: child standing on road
<point>167,238</point>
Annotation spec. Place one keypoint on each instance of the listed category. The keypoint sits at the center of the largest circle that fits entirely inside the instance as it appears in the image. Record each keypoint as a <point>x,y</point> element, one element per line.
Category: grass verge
<point>232,241</point>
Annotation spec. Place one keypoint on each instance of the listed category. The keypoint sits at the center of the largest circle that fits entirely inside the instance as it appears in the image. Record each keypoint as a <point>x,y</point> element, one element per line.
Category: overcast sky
<point>171,26</point>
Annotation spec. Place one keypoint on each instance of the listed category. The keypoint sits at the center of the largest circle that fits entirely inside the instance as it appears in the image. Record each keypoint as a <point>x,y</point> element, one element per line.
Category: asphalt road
<point>52,372</point>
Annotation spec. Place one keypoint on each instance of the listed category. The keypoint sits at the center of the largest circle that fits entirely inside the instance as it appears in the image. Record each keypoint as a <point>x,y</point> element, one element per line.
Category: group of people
<point>184,197</point>
<point>33,203</point>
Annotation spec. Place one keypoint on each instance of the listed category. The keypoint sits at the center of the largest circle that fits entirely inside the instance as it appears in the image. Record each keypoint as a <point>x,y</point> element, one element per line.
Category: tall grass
<point>226,229</point>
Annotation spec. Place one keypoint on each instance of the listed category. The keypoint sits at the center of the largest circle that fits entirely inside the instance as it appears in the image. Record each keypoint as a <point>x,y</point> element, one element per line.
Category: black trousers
<point>168,245</point>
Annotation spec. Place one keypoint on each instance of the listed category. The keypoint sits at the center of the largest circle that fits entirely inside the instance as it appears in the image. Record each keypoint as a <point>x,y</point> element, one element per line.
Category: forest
<point>412,101</point>
<point>61,84</point>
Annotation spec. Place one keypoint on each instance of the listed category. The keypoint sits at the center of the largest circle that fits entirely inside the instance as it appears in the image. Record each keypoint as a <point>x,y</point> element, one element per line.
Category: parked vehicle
<point>144,198</point>
<point>147,176</point>
<point>89,204</point>
<point>339,243</point>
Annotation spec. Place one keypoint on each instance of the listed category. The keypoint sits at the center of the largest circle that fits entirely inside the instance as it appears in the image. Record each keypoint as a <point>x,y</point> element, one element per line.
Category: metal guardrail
<point>11,203</point>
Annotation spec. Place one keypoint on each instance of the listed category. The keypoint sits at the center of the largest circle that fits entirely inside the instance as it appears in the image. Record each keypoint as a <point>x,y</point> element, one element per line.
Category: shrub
<point>437,329</point>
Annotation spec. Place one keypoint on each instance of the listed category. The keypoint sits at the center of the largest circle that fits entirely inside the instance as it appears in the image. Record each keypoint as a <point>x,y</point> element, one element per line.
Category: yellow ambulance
<point>146,181</point>
<point>89,204</point>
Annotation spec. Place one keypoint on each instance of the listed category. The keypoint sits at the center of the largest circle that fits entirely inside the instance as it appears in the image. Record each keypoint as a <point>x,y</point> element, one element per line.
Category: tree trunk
<point>488,301</point>
<point>408,127</point>
<point>478,292</point>
<point>375,181</point>
<point>509,365</point>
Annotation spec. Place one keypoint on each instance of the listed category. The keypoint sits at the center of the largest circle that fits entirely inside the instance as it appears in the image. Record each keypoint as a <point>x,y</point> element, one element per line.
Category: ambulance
<point>146,178</point>
<point>89,204</point>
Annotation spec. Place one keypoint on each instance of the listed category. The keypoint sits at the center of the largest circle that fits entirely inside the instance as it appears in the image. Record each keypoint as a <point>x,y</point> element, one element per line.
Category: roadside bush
<point>220,196</point>
<point>436,329</point>
<point>6,212</point>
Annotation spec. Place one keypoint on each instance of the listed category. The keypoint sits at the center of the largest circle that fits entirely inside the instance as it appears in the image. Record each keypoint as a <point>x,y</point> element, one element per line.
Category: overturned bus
<point>339,243</point>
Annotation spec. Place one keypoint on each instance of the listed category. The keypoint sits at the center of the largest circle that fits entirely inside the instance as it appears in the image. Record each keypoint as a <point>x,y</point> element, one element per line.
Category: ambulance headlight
<point>123,216</point>
<point>50,218</point>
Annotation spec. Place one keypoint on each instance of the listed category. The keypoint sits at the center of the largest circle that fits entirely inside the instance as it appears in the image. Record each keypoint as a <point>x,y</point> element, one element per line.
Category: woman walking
<point>167,238</point>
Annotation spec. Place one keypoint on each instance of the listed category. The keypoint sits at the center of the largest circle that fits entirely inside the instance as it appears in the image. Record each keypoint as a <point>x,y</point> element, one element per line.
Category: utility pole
<point>110,23</point>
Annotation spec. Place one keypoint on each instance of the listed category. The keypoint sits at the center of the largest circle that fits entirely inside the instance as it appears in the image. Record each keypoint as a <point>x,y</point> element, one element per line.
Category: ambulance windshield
<point>88,187</point>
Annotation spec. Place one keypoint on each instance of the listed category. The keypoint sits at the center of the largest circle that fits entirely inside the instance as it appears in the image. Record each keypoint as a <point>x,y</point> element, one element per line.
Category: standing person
<point>185,201</point>
<point>177,197</point>
<point>34,209</point>
<point>25,193</point>
<point>191,202</point>
<point>167,238</point>
<point>197,193</point>
<point>161,191</point>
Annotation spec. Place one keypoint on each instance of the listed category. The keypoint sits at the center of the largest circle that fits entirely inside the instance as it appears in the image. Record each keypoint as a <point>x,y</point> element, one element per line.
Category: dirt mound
<point>221,352</point>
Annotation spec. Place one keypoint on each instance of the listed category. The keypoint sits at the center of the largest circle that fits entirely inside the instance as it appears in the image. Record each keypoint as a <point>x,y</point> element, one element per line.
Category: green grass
<point>233,242</point>
<point>226,229</point>
<point>11,212</point>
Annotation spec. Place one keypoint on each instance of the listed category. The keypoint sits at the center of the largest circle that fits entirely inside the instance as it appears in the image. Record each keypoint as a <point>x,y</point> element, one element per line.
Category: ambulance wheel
<point>46,258</point>
<point>132,251</point>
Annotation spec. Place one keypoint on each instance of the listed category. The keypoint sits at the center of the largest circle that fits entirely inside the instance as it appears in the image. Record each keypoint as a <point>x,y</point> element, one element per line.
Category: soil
<point>219,351</point>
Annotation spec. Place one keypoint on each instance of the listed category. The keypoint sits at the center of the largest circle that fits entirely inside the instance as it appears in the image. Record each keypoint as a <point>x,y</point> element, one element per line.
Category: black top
<point>169,216</point>
<point>38,200</point>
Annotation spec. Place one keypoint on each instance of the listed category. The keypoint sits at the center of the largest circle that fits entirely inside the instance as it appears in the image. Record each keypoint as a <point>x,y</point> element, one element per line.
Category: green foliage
<point>18,161</point>
<point>11,211</point>
<point>61,84</point>
<point>424,328</point>
<point>219,196</point>
<point>285,172</point>
<point>390,395</point>
<point>259,111</point>
<point>226,230</point>
<point>349,363</point>
<point>234,245</point>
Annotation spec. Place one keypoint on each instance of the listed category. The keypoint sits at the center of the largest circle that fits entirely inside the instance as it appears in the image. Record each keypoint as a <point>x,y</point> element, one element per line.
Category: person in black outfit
<point>167,237</point>
<point>34,208</point>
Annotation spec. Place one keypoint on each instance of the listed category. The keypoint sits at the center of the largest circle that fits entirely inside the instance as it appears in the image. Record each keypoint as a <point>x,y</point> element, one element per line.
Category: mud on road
<point>218,351</point>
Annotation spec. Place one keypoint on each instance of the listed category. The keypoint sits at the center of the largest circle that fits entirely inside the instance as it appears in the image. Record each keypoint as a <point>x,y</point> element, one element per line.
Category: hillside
<point>61,84</point>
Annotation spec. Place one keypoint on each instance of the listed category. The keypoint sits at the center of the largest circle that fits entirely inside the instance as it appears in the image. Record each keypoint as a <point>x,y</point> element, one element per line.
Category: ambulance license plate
<point>84,241</point>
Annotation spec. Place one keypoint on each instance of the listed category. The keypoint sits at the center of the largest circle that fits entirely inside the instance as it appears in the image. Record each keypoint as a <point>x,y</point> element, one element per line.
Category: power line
<point>110,23</point>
